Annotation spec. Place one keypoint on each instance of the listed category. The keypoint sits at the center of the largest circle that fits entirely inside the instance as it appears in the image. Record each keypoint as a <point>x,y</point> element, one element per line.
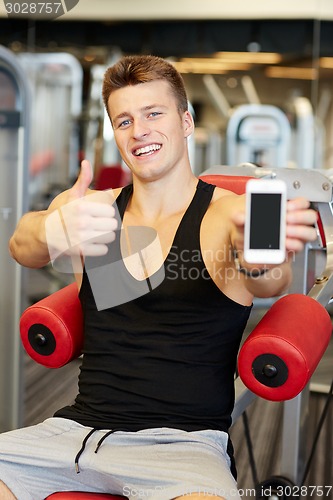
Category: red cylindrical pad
<point>52,329</point>
<point>234,183</point>
<point>278,358</point>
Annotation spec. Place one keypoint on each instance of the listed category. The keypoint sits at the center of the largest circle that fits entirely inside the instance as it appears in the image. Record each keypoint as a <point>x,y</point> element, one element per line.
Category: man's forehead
<point>143,90</point>
<point>142,96</point>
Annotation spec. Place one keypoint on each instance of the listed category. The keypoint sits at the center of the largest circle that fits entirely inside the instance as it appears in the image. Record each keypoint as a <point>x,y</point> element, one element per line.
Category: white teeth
<point>147,149</point>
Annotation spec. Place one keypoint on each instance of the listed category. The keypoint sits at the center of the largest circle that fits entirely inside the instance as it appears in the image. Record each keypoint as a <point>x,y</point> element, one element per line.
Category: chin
<point>148,174</point>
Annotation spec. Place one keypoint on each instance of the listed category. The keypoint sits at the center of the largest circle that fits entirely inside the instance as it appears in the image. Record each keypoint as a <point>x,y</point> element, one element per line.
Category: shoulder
<point>224,202</point>
<point>218,223</point>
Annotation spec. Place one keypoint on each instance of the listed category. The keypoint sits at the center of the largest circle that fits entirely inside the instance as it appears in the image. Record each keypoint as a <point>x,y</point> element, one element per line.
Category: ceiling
<point>301,42</point>
<point>145,10</point>
<point>297,38</point>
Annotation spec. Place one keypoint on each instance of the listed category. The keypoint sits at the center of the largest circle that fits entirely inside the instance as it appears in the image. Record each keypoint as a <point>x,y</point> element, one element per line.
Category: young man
<point>164,309</point>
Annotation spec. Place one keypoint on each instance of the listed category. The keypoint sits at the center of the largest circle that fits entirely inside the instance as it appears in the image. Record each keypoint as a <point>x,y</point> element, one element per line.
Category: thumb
<point>83,181</point>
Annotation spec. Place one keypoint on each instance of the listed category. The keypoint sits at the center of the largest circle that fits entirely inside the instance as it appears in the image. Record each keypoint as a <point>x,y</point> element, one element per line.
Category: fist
<point>83,223</point>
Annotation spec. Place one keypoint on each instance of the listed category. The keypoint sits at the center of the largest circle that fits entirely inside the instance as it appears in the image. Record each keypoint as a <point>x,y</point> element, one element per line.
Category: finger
<point>299,203</point>
<point>308,217</point>
<point>293,246</point>
<point>103,224</point>
<point>96,237</point>
<point>93,209</point>
<point>93,250</point>
<point>301,231</point>
<point>83,181</point>
<point>298,236</point>
<point>97,246</point>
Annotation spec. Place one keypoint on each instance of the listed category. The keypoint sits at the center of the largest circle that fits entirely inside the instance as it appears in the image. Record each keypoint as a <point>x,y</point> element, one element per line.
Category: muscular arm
<point>74,224</point>
<point>273,282</point>
<point>223,230</point>
<point>28,244</point>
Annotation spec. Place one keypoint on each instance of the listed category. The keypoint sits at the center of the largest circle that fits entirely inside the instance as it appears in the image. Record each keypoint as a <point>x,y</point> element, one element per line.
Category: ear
<point>188,124</point>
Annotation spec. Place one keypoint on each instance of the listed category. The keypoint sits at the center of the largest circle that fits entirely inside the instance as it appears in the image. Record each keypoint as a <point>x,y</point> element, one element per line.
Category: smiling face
<point>149,130</point>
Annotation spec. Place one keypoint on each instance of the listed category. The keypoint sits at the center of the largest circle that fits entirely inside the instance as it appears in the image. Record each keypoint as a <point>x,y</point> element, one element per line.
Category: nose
<point>140,129</point>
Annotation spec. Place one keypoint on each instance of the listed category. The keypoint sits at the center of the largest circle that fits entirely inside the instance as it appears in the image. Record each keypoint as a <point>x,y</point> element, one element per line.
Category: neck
<point>162,197</point>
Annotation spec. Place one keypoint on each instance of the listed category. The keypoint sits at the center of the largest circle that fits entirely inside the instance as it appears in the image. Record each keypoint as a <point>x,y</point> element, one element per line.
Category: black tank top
<point>168,357</point>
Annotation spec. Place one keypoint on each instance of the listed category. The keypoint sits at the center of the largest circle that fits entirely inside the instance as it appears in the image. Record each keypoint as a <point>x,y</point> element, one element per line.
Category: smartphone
<point>265,222</point>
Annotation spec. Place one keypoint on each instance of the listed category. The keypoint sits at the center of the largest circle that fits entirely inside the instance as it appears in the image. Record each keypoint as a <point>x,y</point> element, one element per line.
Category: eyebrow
<point>151,106</point>
<point>144,109</point>
<point>118,117</point>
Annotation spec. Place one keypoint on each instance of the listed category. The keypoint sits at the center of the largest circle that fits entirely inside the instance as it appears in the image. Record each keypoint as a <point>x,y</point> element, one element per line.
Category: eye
<point>155,113</point>
<point>124,123</point>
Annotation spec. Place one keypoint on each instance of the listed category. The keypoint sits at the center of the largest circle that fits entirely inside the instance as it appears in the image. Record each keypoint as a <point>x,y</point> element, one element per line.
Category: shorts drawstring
<point>100,442</point>
<point>102,439</point>
<point>84,442</point>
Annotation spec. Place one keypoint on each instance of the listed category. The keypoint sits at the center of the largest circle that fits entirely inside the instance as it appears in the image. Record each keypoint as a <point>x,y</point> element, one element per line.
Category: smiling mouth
<point>147,150</point>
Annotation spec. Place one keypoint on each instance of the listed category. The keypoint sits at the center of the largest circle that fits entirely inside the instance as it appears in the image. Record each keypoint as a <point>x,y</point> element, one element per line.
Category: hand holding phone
<point>265,221</point>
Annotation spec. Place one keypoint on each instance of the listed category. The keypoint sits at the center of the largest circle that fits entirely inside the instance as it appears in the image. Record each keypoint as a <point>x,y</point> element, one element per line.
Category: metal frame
<point>64,101</point>
<point>14,205</point>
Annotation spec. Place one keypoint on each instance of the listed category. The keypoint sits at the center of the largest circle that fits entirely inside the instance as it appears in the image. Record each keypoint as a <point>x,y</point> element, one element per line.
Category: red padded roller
<point>234,183</point>
<point>52,329</point>
<point>278,358</point>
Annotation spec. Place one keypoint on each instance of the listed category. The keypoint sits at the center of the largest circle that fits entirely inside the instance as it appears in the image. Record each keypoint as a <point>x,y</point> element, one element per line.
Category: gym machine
<point>260,134</point>
<point>296,345</point>
<point>56,82</point>
<point>14,147</point>
<point>267,135</point>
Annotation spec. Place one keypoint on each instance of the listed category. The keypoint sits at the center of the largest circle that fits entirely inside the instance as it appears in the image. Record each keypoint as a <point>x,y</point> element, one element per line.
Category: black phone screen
<point>265,221</point>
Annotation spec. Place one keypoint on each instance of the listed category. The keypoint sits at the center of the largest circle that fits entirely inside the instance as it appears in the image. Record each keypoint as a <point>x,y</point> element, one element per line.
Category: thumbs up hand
<point>79,189</point>
<point>82,222</point>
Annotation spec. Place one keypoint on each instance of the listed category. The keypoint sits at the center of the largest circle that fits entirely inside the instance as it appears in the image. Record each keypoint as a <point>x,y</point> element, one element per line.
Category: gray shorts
<point>153,464</point>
